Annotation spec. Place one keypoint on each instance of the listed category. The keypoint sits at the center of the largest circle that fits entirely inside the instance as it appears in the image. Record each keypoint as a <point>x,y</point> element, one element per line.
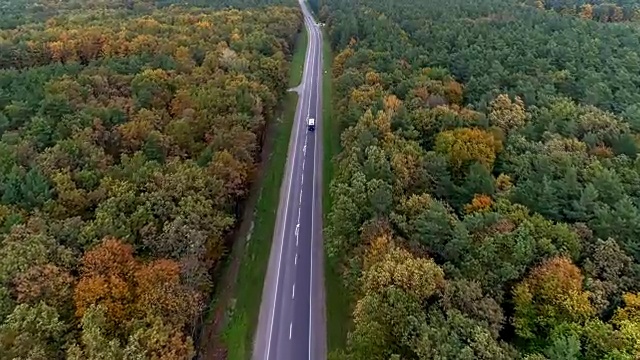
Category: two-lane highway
<point>292,316</point>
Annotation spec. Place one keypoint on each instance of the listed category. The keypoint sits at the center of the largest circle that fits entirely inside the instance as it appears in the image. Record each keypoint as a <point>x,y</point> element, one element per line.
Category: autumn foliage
<point>466,145</point>
<point>552,294</point>
<point>480,202</point>
<point>484,199</point>
<point>126,289</point>
<point>130,136</point>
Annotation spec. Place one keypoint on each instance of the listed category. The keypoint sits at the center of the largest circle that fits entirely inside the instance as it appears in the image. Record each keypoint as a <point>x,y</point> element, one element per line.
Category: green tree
<point>32,332</point>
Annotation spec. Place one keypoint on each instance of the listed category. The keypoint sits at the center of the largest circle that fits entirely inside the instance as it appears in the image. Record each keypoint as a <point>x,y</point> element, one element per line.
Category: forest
<point>130,134</point>
<point>486,202</point>
<point>619,11</point>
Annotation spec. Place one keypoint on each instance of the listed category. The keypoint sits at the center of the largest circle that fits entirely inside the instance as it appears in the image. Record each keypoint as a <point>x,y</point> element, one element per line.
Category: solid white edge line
<point>313,206</point>
<point>313,36</point>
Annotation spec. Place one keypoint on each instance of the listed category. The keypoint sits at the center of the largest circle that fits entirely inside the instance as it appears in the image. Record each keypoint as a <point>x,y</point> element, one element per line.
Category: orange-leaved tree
<point>463,146</point>
<point>552,294</point>
<point>105,273</point>
<point>128,290</point>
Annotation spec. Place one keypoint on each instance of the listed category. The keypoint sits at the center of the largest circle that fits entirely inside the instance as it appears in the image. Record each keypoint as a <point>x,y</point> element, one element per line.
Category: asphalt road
<point>292,322</point>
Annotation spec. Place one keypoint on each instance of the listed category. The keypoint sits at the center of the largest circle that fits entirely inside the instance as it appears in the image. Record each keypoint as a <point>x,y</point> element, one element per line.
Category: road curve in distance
<point>292,324</point>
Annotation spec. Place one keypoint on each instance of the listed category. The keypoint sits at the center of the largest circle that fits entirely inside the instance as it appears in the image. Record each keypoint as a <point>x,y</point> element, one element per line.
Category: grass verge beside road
<point>297,64</point>
<point>244,309</point>
<point>338,301</point>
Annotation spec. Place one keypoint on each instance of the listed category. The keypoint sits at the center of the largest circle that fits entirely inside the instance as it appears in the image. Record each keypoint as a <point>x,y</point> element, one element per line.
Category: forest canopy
<point>486,199</point>
<point>129,138</point>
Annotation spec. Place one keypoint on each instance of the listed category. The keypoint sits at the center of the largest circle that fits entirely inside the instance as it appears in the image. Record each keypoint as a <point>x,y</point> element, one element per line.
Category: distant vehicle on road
<point>311,124</point>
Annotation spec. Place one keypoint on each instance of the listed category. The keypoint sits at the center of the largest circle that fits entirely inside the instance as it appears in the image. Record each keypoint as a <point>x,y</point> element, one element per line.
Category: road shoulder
<point>230,324</point>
